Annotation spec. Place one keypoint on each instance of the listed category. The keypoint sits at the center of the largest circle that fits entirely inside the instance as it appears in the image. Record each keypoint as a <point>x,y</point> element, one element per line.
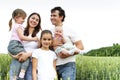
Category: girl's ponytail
<point>10,24</point>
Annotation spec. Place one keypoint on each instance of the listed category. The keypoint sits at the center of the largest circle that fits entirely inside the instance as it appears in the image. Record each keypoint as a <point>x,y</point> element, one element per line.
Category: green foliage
<point>105,51</point>
<point>5,60</point>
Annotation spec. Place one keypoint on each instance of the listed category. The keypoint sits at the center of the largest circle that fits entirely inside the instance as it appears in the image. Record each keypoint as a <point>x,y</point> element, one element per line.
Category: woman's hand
<point>16,56</point>
<point>24,57</point>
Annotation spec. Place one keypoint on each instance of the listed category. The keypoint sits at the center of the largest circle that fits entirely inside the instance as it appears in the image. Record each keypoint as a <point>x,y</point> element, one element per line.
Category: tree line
<point>113,50</point>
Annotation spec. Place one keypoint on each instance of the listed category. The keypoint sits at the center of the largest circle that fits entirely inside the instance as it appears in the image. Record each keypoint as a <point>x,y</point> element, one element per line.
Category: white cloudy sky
<point>96,21</point>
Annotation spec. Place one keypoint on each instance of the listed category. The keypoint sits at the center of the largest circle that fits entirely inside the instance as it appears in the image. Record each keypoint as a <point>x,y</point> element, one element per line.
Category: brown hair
<point>16,13</point>
<point>61,11</point>
<point>37,28</point>
<point>45,32</point>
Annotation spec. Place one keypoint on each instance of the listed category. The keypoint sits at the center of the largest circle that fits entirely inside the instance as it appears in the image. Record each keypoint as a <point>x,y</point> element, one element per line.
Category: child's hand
<point>57,42</point>
<point>35,38</point>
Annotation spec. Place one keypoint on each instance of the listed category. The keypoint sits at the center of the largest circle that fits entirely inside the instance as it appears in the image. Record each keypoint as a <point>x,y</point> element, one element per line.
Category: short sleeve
<point>34,54</point>
<point>54,55</point>
<point>72,34</point>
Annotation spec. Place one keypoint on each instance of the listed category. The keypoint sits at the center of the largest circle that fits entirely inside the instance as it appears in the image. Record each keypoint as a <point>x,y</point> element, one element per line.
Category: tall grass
<point>98,68</point>
<point>88,67</point>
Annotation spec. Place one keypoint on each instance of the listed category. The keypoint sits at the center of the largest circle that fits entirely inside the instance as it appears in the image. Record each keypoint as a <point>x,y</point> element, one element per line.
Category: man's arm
<point>79,45</point>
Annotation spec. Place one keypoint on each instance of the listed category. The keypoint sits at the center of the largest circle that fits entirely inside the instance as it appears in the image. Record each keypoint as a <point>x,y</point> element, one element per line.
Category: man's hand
<point>63,55</point>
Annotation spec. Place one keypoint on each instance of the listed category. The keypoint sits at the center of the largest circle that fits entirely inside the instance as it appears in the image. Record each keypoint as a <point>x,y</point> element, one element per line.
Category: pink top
<point>14,35</point>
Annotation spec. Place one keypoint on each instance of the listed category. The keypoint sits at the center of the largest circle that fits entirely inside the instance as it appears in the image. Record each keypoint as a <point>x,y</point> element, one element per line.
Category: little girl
<point>17,37</point>
<point>44,59</point>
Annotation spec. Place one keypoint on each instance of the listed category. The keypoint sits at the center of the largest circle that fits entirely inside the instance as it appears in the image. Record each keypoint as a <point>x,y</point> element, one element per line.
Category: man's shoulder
<point>51,29</point>
<point>67,27</point>
<point>67,30</point>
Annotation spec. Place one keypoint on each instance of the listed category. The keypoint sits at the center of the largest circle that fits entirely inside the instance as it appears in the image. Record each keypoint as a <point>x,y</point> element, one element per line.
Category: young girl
<point>17,37</point>
<point>44,59</point>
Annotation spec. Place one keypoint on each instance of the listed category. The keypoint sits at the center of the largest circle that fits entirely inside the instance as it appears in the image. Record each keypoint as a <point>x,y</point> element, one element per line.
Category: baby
<point>66,46</point>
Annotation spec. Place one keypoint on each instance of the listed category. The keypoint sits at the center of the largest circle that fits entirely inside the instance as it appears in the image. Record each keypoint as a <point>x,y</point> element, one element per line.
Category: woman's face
<point>34,20</point>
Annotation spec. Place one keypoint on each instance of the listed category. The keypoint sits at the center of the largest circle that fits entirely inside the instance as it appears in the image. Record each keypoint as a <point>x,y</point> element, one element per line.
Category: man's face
<point>55,18</point>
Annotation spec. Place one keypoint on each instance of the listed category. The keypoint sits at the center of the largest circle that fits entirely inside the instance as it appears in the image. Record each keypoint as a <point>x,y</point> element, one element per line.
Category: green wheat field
<point>88,67</point>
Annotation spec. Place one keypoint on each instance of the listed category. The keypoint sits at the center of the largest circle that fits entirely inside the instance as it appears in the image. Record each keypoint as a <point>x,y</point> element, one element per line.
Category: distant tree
<point>105,51</point>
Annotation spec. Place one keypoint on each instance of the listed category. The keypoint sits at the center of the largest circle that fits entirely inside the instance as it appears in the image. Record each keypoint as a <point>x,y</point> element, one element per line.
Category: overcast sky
<point>96,21</point>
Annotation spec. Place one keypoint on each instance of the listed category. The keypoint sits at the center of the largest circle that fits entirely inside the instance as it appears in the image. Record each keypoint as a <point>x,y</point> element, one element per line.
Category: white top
<point>30,46</point>
<point>45,67</point>
<point>14,34</point>
<point>67,32</point>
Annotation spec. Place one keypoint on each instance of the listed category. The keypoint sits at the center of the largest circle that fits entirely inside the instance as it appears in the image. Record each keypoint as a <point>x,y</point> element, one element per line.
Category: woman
<point>32,29</point>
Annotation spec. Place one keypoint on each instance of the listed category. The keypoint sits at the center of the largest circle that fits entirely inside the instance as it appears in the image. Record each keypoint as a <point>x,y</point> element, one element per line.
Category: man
<point>66,67</point>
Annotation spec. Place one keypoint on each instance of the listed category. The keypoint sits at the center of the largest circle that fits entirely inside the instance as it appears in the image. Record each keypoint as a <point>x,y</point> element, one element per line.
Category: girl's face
<point>46,41</point>
<point>20,20</point>
<point>34,20</point>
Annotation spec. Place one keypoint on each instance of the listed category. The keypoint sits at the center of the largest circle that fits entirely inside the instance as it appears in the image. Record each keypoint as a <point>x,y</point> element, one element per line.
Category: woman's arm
<point>21,57</point>
<point>16,56</point>
<point>34,68</point>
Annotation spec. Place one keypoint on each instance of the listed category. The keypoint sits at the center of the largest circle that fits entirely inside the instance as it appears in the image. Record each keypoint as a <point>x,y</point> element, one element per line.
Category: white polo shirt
<point>74,37</point>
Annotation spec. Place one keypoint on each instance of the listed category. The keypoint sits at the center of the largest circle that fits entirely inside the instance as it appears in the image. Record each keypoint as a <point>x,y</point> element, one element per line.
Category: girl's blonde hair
<point>17,13</point>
